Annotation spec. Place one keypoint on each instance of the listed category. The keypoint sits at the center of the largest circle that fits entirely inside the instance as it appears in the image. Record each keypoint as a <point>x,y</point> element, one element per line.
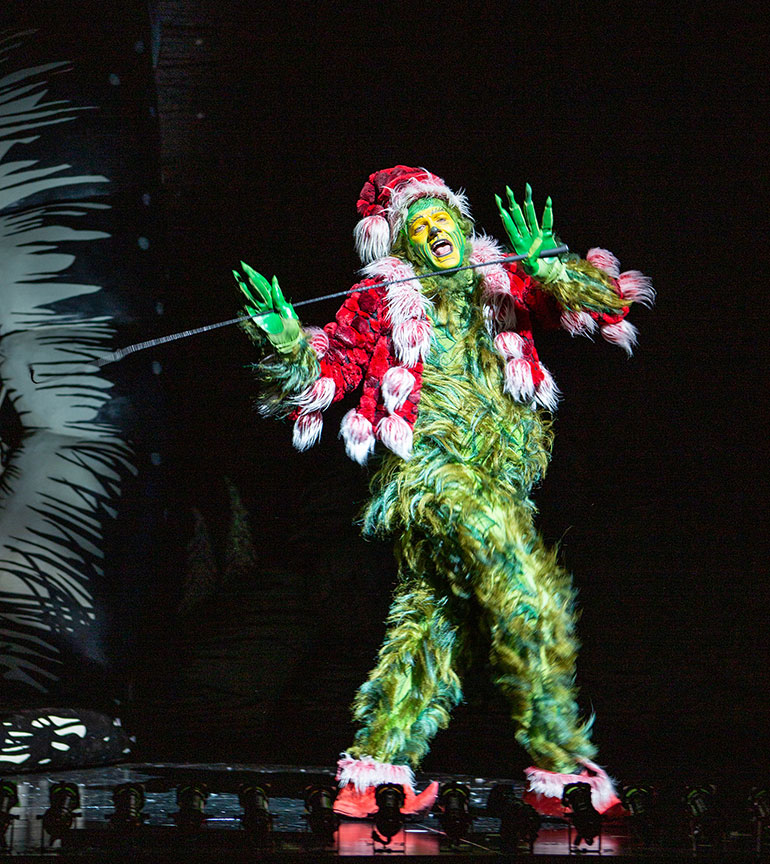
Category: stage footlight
<point>128,799</point>
<point>388,820</point>
<point>9,798</point>
<point>759,805</point>
<point>519,822</point>
<point>257,821</point>
<point>454,806</point>
<point>585,819</point>
<point>191,800</point>
<point>319,804</point>
<point>707,819</point>
<point>64,799</point>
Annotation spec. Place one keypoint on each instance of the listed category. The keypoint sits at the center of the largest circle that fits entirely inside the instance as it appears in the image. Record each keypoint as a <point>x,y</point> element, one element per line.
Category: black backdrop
<point>647,126</point>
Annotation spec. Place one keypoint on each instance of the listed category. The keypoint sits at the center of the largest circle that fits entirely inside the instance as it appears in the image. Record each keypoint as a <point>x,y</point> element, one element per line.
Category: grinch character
<point>453,389</point>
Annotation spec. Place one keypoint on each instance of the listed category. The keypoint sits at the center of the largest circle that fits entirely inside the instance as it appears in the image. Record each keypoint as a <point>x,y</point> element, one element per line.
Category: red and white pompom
<point>622,333</point>
<point>396,434</point>
<point>318,340</point>
<point>318,396</point>
<point>411,339</point>
<point>357,433</point>
<point>546,392</point>
<point>372,237</point>
<point>518,380</point>
<point>307,430</point>
<point>636,287</point>
<point>604,260</point>
<point>578,322</point>
<point>397,384</point>
<point>509,345</point>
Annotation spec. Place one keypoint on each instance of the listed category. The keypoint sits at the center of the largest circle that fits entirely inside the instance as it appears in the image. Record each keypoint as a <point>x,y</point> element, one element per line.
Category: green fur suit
<point>469,557</point>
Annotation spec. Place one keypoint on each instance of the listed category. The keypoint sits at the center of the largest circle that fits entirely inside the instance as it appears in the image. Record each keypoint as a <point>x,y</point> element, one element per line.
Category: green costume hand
<point>528,238</point>
<point>269,310</point>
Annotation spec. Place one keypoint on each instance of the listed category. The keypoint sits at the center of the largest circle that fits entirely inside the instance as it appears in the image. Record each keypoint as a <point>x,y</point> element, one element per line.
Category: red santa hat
<point>384,201</point>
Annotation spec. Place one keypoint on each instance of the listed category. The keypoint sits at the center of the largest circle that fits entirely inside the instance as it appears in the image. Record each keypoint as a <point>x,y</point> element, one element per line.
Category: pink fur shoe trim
<point>544,785</point>
<point>366,772</point>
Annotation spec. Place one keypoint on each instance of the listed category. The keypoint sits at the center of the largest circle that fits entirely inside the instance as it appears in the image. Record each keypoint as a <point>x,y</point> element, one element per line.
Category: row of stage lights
<point>708,814</point>
<point>129,800</point>
<point>519,823</point>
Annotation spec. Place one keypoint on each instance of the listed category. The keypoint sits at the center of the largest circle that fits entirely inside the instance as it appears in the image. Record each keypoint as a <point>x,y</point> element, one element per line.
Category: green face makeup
<point>434,235</point>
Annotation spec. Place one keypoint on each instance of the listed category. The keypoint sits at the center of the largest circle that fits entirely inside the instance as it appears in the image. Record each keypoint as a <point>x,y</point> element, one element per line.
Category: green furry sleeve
<point>281,377</point>
<point>578,285</point>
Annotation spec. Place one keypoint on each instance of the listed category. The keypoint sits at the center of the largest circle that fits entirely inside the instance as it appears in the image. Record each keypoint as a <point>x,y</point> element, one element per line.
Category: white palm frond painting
<point>64,477</point>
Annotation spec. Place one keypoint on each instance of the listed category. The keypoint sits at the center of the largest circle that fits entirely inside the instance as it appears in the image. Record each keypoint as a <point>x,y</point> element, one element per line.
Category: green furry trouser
<point>475,562</point>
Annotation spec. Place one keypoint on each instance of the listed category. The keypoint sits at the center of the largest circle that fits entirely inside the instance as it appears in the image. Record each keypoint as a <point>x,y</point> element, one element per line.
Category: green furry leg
<point>413,688</point>
<point>528,613</point>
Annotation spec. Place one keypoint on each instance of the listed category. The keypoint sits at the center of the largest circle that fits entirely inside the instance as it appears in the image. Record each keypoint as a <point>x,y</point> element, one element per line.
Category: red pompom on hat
<point>384,201</point>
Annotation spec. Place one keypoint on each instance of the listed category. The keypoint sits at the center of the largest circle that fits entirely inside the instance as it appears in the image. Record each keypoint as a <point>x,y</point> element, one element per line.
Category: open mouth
<point>441,247</point>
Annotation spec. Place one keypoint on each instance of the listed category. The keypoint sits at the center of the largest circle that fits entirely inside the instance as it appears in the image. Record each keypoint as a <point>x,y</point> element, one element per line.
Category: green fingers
<point>529,207</point>
<point>548,217</point>
<point>525,233</point>
<point>518,216</point>
<point>269,309</point>
<point>260,285</point>
<point>284,308</point>
<point>511,229</point>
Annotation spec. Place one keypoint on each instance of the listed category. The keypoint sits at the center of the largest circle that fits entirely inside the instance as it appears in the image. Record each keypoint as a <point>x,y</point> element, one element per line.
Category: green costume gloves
<point>528,238</point>
<point>269,310</point>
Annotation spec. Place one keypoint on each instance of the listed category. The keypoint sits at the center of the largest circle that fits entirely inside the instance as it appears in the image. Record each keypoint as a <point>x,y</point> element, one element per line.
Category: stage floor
<point>221,837</point>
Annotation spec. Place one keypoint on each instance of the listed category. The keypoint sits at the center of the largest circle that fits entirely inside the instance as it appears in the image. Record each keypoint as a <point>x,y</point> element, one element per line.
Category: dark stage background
<point>646,123</point>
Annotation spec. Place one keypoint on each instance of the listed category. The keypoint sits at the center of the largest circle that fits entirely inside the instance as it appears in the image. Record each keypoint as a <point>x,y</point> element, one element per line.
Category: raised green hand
<point>269,310</point>
<point>528,237</point>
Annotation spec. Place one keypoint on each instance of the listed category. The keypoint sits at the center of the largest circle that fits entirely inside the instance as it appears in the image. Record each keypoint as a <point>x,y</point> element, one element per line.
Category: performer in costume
<point>454,390</point>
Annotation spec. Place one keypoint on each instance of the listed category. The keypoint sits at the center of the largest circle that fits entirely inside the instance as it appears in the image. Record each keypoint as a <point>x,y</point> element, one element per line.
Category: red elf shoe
<point>358,779</point>
<point>545,788</point>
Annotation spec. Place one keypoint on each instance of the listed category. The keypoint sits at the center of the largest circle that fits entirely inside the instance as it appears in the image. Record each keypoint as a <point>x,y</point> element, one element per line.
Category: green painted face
<point>434,235</point>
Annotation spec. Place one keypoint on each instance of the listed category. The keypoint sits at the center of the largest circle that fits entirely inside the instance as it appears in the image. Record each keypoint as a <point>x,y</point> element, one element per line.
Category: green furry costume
<point>469,556</point>
<point>454,389</point>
